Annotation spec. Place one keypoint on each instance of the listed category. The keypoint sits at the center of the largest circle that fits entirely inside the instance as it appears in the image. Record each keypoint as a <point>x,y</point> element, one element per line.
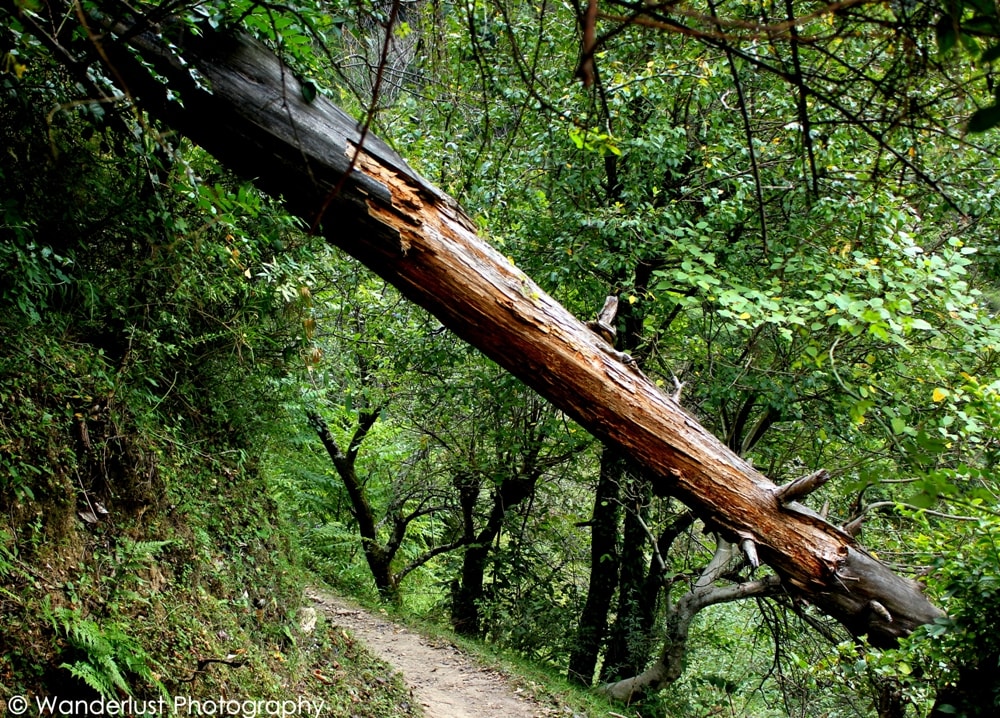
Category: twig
<point>369,118</point>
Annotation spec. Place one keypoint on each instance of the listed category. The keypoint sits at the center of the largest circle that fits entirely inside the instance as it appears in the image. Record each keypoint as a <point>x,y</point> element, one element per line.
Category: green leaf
<point>946,34</point>
<point>990,54</point>
<point>971,44</point>
<point>308,91</point>
<point>985,7</point>
<point>980,24</point>
<point>922,500</point>
<point>984,119</point>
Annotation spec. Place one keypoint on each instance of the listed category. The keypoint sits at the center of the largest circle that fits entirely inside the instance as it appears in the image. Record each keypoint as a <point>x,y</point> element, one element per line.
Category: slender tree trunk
<point>630,649</point>
<point>466,618</point>
<point>630,636</point>
<point>378,558</point>
<point>889,701</point>
<point>467,596</point>
<point>464,594</point>
<point>249,110</point>
<point>593,626</point>
<point>630,639</point>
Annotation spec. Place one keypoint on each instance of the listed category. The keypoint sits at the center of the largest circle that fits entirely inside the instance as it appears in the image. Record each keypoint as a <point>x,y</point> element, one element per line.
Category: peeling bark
<point>250,112</point>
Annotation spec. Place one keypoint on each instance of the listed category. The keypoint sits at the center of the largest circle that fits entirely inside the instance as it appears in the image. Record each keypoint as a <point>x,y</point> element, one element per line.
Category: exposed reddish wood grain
<point>255,120</point>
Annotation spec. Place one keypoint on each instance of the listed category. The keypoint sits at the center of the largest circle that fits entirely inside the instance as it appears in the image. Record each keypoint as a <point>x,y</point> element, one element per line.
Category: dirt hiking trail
<point>444,681</point>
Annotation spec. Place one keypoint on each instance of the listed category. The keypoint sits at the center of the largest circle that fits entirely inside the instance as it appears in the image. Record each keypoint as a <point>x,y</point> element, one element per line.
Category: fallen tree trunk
<point>246,108</point>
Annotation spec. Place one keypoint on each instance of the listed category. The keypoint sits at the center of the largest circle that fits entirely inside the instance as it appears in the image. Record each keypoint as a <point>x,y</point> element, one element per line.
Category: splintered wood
<point>419,239</point>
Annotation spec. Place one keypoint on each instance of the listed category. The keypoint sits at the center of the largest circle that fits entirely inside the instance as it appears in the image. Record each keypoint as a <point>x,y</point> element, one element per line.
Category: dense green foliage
<point>194,394</point>
<point>150,308</point>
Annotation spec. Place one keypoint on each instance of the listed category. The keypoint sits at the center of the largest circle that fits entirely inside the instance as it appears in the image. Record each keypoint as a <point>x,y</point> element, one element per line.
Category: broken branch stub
<point>253,116</point>
<point>802,486</point>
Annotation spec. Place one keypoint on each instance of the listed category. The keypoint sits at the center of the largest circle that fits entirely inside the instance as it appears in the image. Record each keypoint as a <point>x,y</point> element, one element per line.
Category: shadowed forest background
<point>204,406</point>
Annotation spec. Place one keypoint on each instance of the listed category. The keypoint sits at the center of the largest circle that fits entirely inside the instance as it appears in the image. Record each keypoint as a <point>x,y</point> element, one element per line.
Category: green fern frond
<point>111,655</point>
<point>93,677</point>
<point>85,635</point>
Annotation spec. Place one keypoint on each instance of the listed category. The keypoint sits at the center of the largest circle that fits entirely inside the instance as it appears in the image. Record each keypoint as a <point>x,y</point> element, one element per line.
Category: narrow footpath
<point>445,682</point>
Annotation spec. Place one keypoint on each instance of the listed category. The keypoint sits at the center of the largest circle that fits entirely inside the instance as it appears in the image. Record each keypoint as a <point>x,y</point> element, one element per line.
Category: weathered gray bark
<point>250,113</point>
<point>670,665</point>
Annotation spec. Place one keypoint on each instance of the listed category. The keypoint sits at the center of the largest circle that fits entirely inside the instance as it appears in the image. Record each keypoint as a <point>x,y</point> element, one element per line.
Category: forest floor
<point>445,682</point>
